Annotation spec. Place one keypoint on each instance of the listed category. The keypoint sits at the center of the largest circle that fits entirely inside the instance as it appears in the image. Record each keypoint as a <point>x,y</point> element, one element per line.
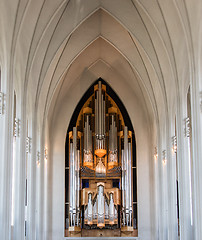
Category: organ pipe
<point>123,187</point>
<point>90,209</point>
<point>78,187</point>
<point>106,210</point>
<point>100,119</point>
<point>111,209</point>
<point>104,119</point>
<point>74,198</point>
<point>130,185</point>
<point>100,108</point>
<point>112,133</point>
<point>88,159</point>
<point>90,139</point>
<point>95,209</point>
<point>74,169</point>
<point>113,143</point>
<point>97,119</point>
<point>71,184</point>
<point>126,181</point>
<point>126,165</point>
<point>101,202</point>
<point>95,114</point>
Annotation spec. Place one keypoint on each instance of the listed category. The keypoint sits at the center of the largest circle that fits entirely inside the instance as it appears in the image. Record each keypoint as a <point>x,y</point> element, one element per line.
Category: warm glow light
<point>155,157</point>
<point>100,168</point>
<point>100,152</point>
<point>174,149</point>
<point>155,154</point>
<point>164,157</point>
<point>174,143</point>
<point>46,154</point>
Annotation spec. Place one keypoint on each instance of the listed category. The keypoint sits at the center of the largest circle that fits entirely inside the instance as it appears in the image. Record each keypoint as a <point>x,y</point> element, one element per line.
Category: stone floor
<point>103,238</point>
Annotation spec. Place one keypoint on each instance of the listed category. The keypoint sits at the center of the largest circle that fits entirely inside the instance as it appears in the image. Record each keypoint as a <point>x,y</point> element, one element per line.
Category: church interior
<point>100,119</point>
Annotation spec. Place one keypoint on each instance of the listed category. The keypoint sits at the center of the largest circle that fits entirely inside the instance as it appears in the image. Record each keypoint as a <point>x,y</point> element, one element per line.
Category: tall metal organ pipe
<point>104,117</point>
<point>130,185</point>
<point>111,209</point>
<point>97,120</point>
<point>113,141</point>
<point>87,141</point>
<point>100,118</point>
<point>126,164</point>
<point>71,184</point>
<point>100,108</point>
<point>101,204</point>
<point>74,172</point>
<point>90,209</point>
<point>78,187</point>
<point>126,180</point>
<point>123,186</point>
<point>74,181</point>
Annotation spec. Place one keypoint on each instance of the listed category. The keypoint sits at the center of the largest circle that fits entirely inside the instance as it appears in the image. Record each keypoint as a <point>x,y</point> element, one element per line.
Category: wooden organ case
<point>100,175</point>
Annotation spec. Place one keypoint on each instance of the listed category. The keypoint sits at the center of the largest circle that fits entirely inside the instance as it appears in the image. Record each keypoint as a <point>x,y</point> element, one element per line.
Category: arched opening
<point>100,167</point>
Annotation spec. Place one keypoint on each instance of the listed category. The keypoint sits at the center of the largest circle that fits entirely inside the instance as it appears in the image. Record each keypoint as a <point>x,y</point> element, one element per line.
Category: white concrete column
<point>38,178</point>
<point>46,159</point>
<point>172,193</point>
<point>41,193</point>
<point>160,195</point>
<point>6,127</point>
<point>48,195</point>
<point>156,199</point>
<point>19,211</point>
<point>16,164</point>
<point>2,169</point>
<point>190,185</point>
<point>184,183</point>
<point>31,209</point>
<point>29,202</point>
<point>196,134</point>
<point>164,168</point>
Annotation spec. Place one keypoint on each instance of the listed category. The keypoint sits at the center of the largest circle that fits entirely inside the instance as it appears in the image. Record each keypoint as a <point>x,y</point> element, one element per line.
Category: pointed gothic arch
<point>126,218</point>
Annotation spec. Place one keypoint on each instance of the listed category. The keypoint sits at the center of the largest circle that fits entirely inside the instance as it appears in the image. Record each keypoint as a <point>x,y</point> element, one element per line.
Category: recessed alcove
<point>118,162</point>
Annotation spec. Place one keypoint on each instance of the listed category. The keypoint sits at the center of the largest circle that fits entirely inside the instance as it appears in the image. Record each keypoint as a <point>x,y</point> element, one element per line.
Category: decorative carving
<point>187,127</point>
<point>174,144</point>
<point>28,144</point>
<point>2,103</point>
<point>17,128</point>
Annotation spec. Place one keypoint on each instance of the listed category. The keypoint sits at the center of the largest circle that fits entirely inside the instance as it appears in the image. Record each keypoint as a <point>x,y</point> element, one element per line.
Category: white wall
<point>62,115</point>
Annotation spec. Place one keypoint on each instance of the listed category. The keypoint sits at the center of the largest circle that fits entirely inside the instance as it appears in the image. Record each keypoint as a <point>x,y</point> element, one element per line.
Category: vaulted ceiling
<point>50,45</point>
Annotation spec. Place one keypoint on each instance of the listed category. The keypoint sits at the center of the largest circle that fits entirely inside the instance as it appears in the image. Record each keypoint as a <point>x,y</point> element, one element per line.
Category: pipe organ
<point>100,167</point>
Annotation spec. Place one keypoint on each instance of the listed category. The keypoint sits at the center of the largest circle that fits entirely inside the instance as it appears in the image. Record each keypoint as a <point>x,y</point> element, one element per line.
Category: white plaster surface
<point>150,53</point>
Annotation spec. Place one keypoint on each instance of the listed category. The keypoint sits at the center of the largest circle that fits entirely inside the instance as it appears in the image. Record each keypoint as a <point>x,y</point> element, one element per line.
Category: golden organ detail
<point>100,167</point>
